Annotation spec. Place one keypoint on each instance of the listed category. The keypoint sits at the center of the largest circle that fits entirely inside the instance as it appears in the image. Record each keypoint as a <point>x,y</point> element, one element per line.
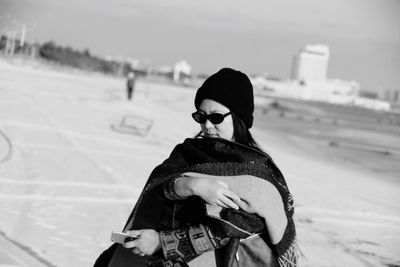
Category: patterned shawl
<point>250,173</point>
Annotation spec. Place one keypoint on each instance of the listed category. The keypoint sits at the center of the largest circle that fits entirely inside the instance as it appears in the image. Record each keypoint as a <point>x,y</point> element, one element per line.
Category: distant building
<point>311,64</point>
<point>11,45</point>
<point>368,94</point>
<point>133,62</point>
<point>31,50</point>
<point>392,96</point>
<point>330,90</point>
<point>181,70</point>
<point>164,70</point>
<point>370,103</point>
<point>309,82</point>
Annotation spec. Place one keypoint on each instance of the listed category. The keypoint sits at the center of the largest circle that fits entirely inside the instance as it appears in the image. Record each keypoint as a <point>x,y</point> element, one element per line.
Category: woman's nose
<point>208,124</point>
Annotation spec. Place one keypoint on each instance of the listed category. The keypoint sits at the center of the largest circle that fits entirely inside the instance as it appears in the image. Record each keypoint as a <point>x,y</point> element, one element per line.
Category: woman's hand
<point>147,242</point>
<point>209,188</point>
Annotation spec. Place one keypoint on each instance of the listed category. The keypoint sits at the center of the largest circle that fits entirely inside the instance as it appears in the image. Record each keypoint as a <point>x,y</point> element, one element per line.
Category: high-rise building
<point>311,64</point>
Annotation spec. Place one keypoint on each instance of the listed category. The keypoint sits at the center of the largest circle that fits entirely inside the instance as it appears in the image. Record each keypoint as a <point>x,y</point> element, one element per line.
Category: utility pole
<point>23,32</point>
<point>15,33</point>
<point>10,43</point>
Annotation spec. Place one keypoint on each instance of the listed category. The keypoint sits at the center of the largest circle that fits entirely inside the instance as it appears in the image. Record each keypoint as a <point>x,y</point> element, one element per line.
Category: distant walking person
<point>130,84</point>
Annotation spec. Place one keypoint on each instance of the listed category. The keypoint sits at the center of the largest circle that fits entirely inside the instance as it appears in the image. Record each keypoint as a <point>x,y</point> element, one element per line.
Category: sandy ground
<point>69,178</point>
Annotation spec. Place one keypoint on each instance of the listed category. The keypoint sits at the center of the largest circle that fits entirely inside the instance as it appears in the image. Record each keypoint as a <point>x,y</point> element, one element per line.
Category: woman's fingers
<point>235,198</point>
<point>229,203</point>
<point>244,205</point>
<point>130,244</point>
<point>147,241</point>
<point>229,198</point>
<point>136,251</point>
<point>134,233</point>
<point>221,204</point>
<point>213,191</point>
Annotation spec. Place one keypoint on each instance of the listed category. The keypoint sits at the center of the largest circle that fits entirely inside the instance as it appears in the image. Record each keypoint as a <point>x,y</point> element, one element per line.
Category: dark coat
<point>218,157</point>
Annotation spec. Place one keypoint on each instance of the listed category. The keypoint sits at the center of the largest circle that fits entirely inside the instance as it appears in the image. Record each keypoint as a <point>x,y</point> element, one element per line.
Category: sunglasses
<point>214,118</point>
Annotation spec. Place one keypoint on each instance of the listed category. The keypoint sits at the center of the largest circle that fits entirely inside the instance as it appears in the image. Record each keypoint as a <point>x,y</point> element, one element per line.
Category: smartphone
<point>121,238</point>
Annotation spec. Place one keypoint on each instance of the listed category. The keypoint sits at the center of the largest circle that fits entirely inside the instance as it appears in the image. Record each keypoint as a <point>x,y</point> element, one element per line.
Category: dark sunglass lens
<point>216,118</point>
<point>199,117</point>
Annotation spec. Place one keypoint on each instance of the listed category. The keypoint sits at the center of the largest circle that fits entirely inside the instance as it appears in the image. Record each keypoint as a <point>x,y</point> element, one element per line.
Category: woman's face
<point>222,130</point>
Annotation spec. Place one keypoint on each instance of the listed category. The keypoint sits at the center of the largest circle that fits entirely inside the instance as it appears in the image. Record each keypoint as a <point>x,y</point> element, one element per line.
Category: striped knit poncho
<point>263,237</point>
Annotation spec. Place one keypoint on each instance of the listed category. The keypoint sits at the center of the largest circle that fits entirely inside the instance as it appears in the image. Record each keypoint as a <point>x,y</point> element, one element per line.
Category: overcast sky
<point>255,36</point>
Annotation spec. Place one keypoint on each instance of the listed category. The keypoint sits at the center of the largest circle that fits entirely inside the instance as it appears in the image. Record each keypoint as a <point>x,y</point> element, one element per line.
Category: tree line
<point>80,59</point>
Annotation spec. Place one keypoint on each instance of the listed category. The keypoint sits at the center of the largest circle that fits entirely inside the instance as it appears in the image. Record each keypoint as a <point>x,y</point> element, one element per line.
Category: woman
<point>218,200</point>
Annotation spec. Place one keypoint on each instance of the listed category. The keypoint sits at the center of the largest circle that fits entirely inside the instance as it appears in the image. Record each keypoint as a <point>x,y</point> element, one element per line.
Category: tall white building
<point>311,64</point>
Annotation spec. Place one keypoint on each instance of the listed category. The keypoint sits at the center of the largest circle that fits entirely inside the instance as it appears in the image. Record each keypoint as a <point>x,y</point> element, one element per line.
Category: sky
<point>255,36</point>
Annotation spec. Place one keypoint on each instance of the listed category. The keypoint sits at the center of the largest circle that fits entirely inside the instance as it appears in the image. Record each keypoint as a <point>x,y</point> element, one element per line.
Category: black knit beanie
<point>232,89</point>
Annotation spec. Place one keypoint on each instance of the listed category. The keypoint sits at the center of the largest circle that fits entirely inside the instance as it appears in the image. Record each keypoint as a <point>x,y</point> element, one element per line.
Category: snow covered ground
<point>70,179</point>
